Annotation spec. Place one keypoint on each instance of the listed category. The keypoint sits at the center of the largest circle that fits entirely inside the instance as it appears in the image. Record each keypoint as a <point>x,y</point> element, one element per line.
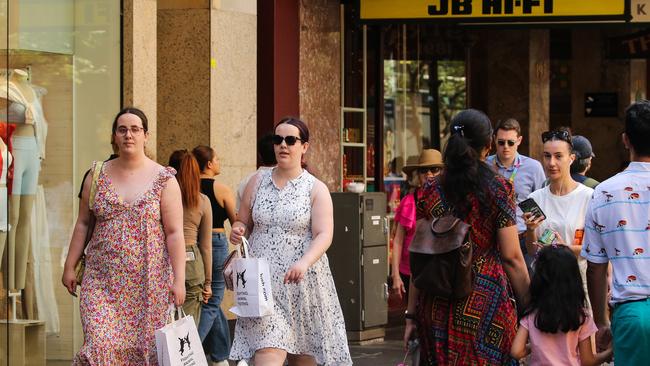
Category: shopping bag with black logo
<point>252,286</point>
<point>178,342</point>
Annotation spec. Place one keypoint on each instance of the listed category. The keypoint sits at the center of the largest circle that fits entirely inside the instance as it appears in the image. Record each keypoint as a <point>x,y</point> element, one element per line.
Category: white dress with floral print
<point>307,317</point>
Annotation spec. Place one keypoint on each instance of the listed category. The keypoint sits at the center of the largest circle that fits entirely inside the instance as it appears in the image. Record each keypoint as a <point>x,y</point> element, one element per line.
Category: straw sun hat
<point>428,158</point>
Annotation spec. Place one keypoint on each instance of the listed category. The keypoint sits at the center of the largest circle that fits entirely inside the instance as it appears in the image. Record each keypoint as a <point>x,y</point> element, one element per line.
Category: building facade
<point>374,89</point>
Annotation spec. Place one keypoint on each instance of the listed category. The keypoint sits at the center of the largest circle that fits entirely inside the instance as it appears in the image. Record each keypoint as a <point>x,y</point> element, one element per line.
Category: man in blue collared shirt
<point>525,174</point>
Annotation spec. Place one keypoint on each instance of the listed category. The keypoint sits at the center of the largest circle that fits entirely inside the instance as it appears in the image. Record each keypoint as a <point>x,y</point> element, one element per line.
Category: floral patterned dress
<point>125,294</point>
<point>479,329</point>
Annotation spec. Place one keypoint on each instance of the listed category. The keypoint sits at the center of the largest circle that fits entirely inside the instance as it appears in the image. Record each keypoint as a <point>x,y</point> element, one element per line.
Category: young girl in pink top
<point>557,324</point>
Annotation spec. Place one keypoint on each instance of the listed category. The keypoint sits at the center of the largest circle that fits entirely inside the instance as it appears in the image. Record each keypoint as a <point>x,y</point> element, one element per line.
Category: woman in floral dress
<point>288,213</point>
<point>479,329</point>
<point>135,260</point>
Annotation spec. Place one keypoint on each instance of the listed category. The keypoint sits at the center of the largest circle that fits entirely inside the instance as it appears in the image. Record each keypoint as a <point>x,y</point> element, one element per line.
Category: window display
<point>25,111</point>
<point>59,88</point>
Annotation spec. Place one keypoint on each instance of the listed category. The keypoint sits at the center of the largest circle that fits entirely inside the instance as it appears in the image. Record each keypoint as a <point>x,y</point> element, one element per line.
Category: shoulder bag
<point>441,256</point>
<point>81,264</point>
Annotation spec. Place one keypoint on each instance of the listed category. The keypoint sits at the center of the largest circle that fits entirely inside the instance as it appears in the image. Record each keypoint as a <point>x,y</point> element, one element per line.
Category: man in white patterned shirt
<point>618,232</point>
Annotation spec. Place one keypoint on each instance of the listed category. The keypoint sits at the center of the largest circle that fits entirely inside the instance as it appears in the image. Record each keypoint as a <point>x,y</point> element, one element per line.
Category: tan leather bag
<point>441,257</point>
<point>80,267</point>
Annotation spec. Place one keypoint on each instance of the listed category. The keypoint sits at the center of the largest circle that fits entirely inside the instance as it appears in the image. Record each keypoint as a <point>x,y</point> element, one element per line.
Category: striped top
<point>618,230</point>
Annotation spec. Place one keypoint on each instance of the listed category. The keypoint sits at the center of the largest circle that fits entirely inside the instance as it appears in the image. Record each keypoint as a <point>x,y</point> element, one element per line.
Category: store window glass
<point>59,89</point>
<point>424,85</point>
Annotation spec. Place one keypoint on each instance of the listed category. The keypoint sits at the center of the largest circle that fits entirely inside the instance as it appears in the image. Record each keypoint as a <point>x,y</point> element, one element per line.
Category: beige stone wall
<point>139,61</point>
<point>183,80</point>
<point>233,93</point>
<point>320,86</point>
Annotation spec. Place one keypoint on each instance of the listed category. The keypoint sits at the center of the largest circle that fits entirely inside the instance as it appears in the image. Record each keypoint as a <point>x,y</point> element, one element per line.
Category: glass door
<point>424,85</point>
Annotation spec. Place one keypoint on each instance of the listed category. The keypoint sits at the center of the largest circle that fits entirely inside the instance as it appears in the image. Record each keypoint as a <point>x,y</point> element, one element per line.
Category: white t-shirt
<point>565,214</point>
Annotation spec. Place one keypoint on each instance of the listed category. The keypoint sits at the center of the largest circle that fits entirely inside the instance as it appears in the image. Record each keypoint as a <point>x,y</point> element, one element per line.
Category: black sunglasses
<point>511,143</point>
<point>290,140</point>
<point>432,169</point>
<point>557,135</point>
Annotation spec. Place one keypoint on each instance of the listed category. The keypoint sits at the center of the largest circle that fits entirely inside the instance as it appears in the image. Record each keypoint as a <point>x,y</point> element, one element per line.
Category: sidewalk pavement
<point>390,352</point>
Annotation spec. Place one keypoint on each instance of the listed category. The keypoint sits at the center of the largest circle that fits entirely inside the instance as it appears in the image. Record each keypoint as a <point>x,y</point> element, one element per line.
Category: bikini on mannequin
<point>25,111</point>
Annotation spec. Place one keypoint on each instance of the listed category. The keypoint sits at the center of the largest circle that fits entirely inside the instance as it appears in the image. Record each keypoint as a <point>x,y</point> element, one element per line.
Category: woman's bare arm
<point>513,262</point>
<point>171,210</point>
<point>78,240</point>
<point>226,198</point>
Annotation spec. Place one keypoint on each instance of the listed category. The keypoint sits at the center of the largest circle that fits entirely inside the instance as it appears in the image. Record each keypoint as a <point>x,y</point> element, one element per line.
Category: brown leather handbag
<point>441,257</point>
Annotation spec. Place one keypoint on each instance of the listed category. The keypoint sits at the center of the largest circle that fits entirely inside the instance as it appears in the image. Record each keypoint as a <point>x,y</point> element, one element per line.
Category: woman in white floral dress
<point>288,213</point>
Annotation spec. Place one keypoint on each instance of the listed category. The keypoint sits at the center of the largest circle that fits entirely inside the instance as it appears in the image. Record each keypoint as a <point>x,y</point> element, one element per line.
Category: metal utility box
<point>358,259</point>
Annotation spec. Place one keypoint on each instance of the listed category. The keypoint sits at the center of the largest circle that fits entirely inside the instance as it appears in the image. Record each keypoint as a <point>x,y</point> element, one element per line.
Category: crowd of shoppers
<point>151,241</point>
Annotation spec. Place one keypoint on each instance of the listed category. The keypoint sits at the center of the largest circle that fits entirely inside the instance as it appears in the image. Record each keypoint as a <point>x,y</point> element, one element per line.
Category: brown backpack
<point>441,257</point>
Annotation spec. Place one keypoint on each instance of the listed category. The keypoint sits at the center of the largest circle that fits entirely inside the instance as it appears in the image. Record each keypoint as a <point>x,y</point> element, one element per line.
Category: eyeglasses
<point>135,130</point>
<point>511,143</point>
<point>557,135</point>
<point>290,140</point>
<point>432,169</point>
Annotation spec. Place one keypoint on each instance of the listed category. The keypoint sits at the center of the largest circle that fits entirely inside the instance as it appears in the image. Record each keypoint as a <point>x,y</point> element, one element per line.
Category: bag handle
<point>175,311</point>
<point>93,184</point>
<point>442,233</point>
<point>91,202</point>
<point>244,247</point>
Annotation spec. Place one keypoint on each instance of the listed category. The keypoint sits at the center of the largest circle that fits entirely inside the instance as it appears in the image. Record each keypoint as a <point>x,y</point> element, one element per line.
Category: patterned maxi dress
<point>125,294</point>
<point>307,317</point>
<point>479,329</point>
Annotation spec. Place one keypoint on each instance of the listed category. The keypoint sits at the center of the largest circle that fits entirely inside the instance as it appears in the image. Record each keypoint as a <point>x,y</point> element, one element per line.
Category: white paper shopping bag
<point>252,286</point>
<point>178,343</point>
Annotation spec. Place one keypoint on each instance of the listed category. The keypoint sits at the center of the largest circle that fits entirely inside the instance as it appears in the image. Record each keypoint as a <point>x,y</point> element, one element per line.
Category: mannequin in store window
<point>20,102</point>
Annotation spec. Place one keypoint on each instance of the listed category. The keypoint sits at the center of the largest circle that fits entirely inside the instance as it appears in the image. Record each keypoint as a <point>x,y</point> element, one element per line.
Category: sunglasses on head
<point>510,143</point>
<point>432,169</point>
<point>290,140</point>
<point>557,135</point>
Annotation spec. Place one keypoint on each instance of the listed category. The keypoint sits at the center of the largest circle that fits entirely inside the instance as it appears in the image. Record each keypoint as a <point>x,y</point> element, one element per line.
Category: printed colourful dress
<point>479,329</point>
<point>125,294</point>
<point>307,317</point>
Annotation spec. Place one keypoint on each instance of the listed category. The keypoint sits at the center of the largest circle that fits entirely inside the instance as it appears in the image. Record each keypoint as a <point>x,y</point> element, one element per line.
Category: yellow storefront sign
<point>488,9</point>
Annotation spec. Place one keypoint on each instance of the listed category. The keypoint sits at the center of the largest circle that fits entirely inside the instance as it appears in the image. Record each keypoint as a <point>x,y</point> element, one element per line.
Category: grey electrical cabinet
<point>358,259</point>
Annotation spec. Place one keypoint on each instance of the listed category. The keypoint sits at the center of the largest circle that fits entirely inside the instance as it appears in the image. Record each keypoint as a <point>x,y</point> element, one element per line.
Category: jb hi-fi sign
<point>498,10</point>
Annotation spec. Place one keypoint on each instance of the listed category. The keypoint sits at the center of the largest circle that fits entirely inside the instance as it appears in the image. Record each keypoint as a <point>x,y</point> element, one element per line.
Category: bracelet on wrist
<point>410,316</point>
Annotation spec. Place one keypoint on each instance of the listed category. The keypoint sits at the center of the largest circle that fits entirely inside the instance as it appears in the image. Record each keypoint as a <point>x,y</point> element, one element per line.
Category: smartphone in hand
<point>548,237</point>
<point>529,205</point>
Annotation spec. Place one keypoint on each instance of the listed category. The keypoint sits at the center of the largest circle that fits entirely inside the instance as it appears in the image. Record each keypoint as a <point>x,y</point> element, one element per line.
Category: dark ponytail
<point>464,172</point>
